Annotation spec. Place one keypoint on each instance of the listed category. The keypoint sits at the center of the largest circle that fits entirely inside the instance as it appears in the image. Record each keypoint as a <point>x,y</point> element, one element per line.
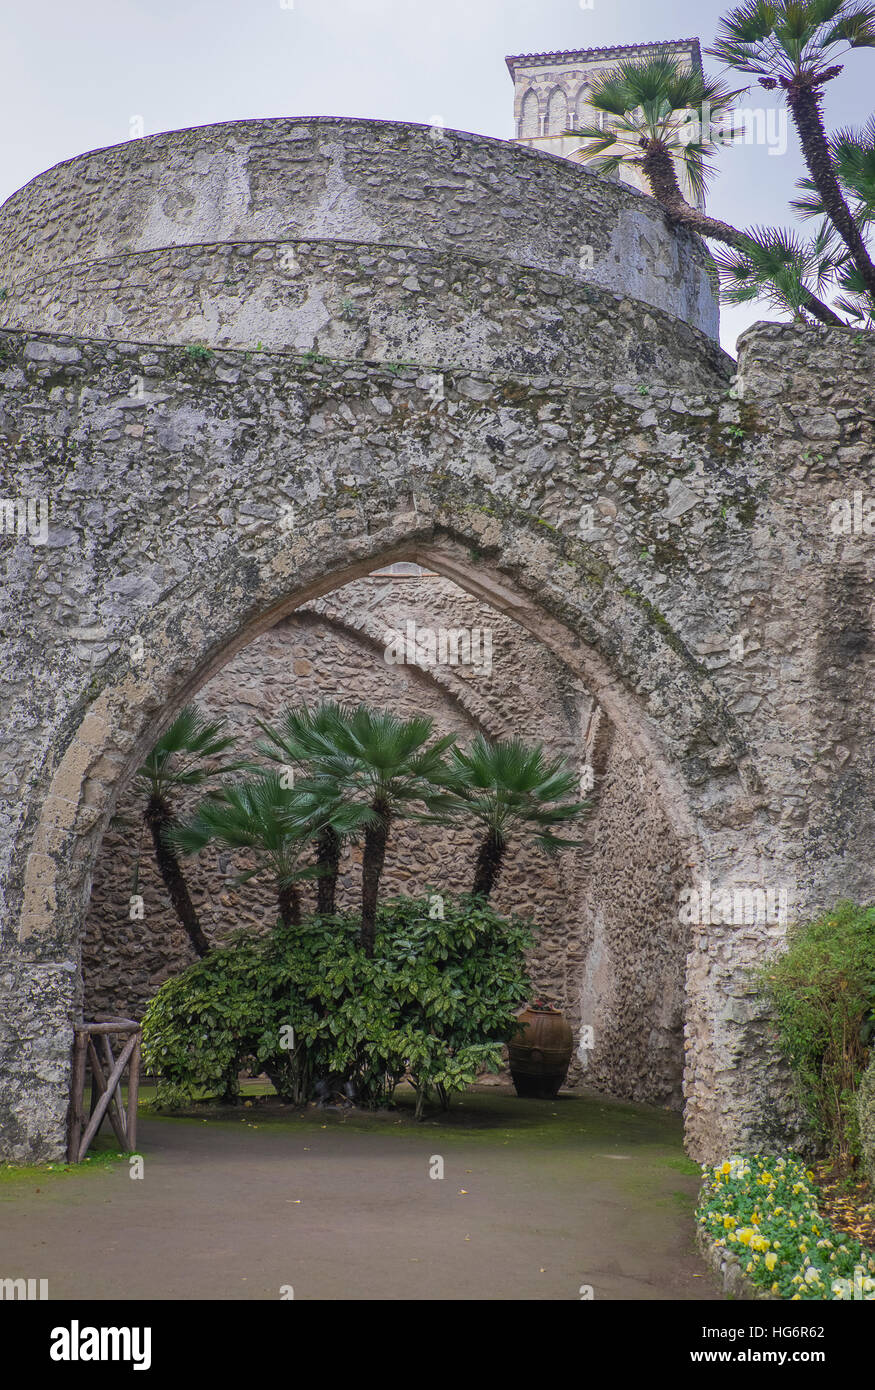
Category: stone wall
<point>354,300</point>
<point>378,182</point>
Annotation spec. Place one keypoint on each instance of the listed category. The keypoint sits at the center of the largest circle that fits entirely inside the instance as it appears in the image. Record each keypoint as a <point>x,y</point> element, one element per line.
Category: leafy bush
<point>866,1119</point>
<point>764,1210</point>
<point>197,1029</point>
<point>306,1004</point>
<point>823,992</point>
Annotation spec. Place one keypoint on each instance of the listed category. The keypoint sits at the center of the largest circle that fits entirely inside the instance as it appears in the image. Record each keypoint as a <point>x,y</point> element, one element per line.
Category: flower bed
<point>764,1212</point>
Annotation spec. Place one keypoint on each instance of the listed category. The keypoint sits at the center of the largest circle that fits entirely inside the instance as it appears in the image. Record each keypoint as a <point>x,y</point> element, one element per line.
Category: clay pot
<point>540,1053</point>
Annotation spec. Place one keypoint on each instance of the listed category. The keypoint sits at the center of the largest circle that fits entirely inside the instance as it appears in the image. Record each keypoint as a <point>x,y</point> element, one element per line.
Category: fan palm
<point>390,763</point>
<point>853,153</point>
<point>792,45</point>
<point>188,755</point>
<point>264,817</point>
<point>512,789</point>
<point>383,766</point>
<point>649,102</point>
<point>304,739</point>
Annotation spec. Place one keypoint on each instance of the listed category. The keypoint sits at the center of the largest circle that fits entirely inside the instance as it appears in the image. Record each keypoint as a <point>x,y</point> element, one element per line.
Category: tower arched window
<point>557,113</point>
<point>584,110</point>
<point>530,124</point>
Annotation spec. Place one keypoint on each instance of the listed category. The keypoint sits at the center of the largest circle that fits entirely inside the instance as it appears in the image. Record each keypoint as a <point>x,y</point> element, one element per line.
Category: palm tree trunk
<point>328,858</point>
<point>376,838</point>
<point>158,818</point>
<point>489,862</point>
<point>659,169</point>
<point>804,103</point>
<point>289,900</point>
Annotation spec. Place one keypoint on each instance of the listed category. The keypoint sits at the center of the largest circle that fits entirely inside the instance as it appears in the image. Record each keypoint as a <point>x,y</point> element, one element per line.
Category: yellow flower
<point>771,1261</point>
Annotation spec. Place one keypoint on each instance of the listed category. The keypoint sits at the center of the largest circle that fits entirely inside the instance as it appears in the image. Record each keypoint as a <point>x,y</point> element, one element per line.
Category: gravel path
<point>537,1199</point>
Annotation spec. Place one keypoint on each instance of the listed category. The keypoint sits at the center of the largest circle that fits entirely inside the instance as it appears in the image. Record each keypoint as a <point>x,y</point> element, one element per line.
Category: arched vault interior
<point>609,947</point>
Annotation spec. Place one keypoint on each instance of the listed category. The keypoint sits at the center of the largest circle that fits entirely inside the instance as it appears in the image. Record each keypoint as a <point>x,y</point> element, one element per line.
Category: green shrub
<point>866,1119</point>
<point>823,992</point>
<point>764,1210</point>
<point>437,1001</point>
<point>197,1029</point>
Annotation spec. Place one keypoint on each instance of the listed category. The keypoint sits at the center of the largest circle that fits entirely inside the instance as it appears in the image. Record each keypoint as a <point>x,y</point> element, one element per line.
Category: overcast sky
<point>76,74</point>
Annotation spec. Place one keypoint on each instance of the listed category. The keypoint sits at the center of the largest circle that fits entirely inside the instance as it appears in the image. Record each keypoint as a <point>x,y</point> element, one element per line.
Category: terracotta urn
<point>540,1051</point>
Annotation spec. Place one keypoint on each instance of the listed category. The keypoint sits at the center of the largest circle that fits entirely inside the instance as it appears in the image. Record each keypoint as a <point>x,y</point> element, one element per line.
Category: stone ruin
<point>251,376</point>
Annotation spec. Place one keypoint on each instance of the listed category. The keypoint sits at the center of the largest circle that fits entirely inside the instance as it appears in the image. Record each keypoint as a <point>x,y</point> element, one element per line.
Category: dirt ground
<point>538,1200</point>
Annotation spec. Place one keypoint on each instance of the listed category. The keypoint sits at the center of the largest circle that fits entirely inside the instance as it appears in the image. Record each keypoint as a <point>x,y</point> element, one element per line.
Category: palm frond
<point>778,267</point>
<point>187,754</point>
<point>856,27</point>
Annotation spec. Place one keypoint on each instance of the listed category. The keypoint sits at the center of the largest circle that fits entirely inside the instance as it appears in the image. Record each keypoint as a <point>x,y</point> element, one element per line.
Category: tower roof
<point>611,51</point>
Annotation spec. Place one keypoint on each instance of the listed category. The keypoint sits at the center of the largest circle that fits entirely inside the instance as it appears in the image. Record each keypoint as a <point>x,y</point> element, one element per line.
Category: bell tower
<point>552,90</point>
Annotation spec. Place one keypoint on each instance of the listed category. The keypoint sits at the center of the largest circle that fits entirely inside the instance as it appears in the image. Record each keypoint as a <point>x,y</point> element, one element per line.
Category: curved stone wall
<point>349,300</point>
<point>382,183</point>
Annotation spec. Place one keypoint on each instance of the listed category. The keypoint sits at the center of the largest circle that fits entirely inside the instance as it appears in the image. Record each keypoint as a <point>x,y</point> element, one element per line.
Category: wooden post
<point>133,1093</point>
<point>74,1126</point>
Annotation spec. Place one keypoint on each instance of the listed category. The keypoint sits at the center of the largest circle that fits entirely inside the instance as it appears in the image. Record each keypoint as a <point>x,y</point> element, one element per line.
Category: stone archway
<point>194,632</point>
<point>609,949</point>
<point>308,375</point>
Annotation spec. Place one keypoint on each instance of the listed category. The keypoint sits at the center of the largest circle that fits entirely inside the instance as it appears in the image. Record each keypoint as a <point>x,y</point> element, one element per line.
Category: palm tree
<point>512,789</point>
<point>262,816</point>
<point>305,739</point>
<point>390,764</point>
<point>379,766</point>
<point>792,45</point>
<point>649,102</point>
<point>853,153</point>
<point>189,754</point>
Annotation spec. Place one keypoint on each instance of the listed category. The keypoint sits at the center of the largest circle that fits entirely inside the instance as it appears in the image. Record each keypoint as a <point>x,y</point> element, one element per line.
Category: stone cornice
<point>589,54</point>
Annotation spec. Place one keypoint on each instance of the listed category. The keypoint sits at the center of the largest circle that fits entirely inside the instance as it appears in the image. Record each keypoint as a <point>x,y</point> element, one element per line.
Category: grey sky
<point>76,74</point>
